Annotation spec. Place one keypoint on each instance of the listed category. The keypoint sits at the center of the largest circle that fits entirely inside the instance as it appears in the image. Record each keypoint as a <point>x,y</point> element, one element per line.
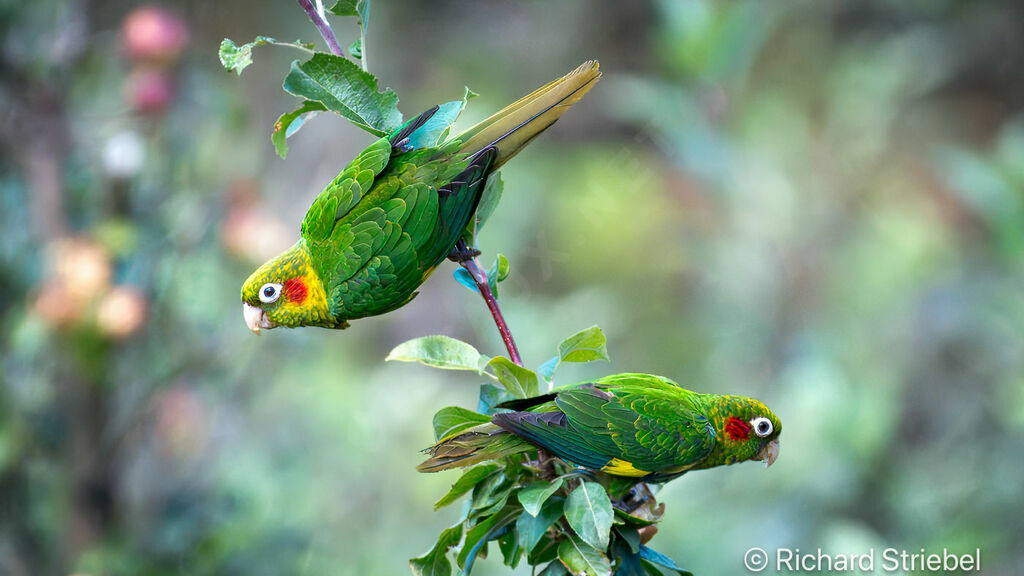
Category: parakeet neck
<point>732,434</point>
<point>305,299</point>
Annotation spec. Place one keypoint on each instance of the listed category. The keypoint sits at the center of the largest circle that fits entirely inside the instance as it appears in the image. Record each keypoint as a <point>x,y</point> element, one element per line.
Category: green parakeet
<point>396,212</point>
<point>632,425</point>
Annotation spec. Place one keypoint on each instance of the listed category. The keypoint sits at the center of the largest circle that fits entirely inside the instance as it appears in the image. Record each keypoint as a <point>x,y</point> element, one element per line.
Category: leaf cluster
<point>538,510</point>
<point>326,82</point>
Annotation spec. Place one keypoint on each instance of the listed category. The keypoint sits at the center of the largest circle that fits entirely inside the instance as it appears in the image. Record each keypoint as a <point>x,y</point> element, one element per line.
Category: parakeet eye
<point>270,292</point>
<point>762,426</point>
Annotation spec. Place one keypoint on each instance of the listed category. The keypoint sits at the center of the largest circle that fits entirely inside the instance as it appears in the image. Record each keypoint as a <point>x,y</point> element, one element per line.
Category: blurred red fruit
<point>155,34</point>
<point>150,91</point>
<point>81,268</point>
<point>55,306</point>
<point>122,312</point>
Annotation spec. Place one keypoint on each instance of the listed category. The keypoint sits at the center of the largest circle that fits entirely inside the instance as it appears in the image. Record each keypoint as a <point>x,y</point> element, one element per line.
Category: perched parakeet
<point>632,425</point>
<point>396,212</point>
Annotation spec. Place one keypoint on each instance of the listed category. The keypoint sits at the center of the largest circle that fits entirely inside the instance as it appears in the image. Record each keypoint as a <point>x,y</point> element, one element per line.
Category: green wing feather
<point>381,227</point>
<point>646,421</point>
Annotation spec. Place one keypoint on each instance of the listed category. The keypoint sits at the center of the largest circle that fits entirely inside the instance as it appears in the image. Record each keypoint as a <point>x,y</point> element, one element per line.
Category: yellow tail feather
<point>515,125</point>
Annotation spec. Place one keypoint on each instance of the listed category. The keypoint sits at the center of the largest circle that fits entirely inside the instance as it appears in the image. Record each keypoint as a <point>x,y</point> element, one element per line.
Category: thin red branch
<point>480,278</point>
<point>323,26</point>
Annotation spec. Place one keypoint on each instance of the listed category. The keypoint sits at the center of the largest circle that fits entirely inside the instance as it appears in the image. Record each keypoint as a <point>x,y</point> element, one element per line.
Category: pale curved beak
<point>255,318</point>
<point>769,453</point>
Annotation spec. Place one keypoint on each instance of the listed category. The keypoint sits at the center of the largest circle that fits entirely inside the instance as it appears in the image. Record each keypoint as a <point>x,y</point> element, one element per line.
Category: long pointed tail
<point>514,126</point>
<point>480,443</point>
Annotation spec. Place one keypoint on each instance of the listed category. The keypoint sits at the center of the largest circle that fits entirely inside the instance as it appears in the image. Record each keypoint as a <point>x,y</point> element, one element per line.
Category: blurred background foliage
<point>816,203</point>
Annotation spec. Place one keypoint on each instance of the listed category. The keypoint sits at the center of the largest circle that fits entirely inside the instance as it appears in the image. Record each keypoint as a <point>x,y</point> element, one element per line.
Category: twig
<point>480,278</point>
<point>322,25</point>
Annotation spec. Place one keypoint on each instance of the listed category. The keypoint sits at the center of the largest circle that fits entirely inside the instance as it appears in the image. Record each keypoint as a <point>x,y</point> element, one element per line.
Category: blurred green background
<point>816,203</point>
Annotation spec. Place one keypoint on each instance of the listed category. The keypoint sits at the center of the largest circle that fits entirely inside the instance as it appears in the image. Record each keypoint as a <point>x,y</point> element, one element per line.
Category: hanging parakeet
<point>395,213</point>
<point>634,425</point>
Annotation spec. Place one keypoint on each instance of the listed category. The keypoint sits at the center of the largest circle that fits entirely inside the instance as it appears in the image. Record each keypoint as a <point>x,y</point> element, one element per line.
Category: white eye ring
<point>270,292</point>
<point>762,426</point>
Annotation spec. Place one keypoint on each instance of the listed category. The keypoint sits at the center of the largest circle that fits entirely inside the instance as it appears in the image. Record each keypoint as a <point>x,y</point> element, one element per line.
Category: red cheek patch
<point>295,290</point>
<point>737,429</point>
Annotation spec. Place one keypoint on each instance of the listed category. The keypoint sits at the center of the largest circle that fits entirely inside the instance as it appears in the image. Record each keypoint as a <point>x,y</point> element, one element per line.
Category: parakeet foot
<point>459,256</point>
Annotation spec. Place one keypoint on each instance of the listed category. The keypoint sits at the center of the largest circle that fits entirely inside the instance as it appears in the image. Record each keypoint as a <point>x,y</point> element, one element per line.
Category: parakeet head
<point>285,291</point>
<point>745,430</point>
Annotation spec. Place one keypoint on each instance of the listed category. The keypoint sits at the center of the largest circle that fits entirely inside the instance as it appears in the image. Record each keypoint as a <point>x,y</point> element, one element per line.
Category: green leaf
<point>479,535</point>
<point>582,558</point>
<point>491,396</point>
<point>237,58</point>
<point>497,273</point>
<point>627,561</point>
<point>469,479</point>
<point>435,562</point>
<point>451,420</point>
<point>356,48</point>
<point>491,495</point>
<point>584,346</point>
<point>531,528</point>
<point>345,8</point>
<point>589,511</point>
<point>555,568</point>
<point>290,122</point>
<point>631,536</point>
<point>634,520</point>
<point>439,352</point>
<point>343,87</point>
<point>533,495</point>
<point>520,382</point>
<point>510,550</point>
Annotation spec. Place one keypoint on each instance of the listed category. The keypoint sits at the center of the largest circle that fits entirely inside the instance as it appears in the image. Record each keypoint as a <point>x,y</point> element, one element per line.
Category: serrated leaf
<point>582,558</point>
<point>490,396</point>
<point>584,346</point>
<point>290,122</point>
<point>435,562</point>
<point>454,419</point>
<point>469,480</point>
<point>439,352</point>
<point>237,58</point>
<point>655,557</point>
<point>520,382</point>
<point>530,528</point>
<point>533,495</point>
<point>589,512</point>
<point>343,87</point>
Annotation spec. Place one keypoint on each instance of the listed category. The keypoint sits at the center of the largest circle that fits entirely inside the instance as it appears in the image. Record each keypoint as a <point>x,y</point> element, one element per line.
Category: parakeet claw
<point>256,319</point>
<point>769,453</point>
<point>459,256</point>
